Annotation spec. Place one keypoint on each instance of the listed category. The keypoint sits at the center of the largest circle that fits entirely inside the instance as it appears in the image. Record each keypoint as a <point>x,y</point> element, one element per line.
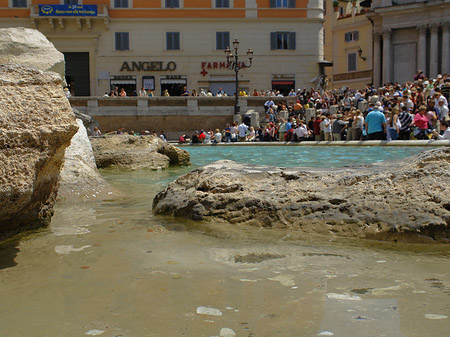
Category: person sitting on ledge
<point>446,135</point>
<point>195,139</point>
<point>217,138</point>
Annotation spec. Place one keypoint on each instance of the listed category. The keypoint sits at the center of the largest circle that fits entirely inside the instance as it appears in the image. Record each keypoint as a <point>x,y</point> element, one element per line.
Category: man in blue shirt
<point>288,125</point>
<point>375,123</point>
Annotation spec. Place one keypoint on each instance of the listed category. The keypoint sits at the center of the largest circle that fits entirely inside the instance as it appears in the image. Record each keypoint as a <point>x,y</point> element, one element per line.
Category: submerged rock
<point>36,125</point>
<point>407,199</point>
<point>136,152</point>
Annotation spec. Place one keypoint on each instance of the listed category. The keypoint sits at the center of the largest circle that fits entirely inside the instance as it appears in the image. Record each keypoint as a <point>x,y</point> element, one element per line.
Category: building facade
<point>410,35</point>
<point>169,44</point>
<point>348,43</point>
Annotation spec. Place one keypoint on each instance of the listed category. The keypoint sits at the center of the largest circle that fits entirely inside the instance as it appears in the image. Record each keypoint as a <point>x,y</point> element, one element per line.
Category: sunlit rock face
<point>136,152</point>
<point>29,47</point>
<point>394,200</point>
<point>36,125</point>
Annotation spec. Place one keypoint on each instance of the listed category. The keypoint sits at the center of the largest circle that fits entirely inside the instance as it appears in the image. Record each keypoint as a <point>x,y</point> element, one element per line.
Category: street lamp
<point>234,64</point>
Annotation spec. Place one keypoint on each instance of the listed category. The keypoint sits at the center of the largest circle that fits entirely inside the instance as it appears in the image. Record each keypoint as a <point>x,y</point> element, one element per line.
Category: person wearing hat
<point>375,123</point>
<point>338,126</point>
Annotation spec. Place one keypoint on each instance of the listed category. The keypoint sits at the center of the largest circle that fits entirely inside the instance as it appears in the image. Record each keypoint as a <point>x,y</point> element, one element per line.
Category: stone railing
<point>154,106</point>
<point>174,115</point>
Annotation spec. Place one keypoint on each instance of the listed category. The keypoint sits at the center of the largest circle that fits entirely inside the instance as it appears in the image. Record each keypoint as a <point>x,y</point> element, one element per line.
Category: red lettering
<point>209,65</point>
<point>222,65</point>
<point>215,65</point>
<point>203,65</point>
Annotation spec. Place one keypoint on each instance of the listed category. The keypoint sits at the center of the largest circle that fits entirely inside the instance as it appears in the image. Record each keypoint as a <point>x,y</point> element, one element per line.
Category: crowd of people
<point>413,110</point>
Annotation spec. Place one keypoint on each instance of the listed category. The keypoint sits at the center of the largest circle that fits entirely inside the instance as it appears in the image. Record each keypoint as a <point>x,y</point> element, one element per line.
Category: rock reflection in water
<point>130,275</point>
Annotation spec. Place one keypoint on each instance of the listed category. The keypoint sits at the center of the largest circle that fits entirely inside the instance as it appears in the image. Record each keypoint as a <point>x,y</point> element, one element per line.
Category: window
<point>173,41</point>
<point>282,3</point>
<point>19,3</point>
<point>123,41</point>
<point>222,40</point>
<point>282,40</point>
<point>71,2</point>
<point>351,36</point>
<point>222,3</point>
<point>172,3</point>
<point>351,62</point>
<point>120,3</point>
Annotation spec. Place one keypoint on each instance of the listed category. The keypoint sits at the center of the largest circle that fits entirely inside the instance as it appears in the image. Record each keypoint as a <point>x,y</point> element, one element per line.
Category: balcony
<point>58,15</point>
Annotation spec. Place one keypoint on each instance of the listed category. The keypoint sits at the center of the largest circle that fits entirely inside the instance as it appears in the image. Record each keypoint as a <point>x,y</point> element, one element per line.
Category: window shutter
<point>168,3</point>
<point>273,3</point>
<point>292,40</point>
<point>176,38</point>
<point>126,41</point>
<point>168,41</point>
<point>356,35</point>
<point>218,41</point>
<point>291,4</point>
<point>273,40</point>
<point>346,37</point>
<point>226,40</point>
<point>118,41</point>
<point>176,3</point>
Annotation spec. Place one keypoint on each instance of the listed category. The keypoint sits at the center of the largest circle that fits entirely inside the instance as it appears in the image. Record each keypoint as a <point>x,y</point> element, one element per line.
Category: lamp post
<point>234,64</point>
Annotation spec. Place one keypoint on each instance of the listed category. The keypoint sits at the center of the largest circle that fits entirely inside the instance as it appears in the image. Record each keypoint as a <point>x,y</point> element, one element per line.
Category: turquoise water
<point>299,156</point>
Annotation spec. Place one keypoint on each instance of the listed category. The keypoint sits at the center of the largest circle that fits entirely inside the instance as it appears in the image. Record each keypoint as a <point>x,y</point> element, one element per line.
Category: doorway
<point>77,73</point>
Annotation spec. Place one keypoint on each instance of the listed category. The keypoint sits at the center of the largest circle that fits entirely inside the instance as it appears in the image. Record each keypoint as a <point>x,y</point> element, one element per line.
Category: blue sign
<point>67,10</point>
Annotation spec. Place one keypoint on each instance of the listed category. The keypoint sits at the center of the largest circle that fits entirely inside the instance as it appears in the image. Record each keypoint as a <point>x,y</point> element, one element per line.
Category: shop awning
<point>283,82</point>
<point>123,81</point>
<point>173,81</point>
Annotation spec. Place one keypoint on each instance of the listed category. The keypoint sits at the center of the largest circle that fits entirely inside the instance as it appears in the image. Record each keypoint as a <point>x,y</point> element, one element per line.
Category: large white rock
<point>29,47</point>
<point>79,176</point>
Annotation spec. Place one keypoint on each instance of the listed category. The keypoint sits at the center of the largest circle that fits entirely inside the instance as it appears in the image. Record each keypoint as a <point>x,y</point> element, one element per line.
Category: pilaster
<point>422,48</point>
<point>386,56</point>
<point>434,50</point>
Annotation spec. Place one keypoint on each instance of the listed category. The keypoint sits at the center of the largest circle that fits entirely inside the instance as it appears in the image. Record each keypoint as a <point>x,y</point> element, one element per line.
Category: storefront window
<point>128,82</point>
<point>173,84</point>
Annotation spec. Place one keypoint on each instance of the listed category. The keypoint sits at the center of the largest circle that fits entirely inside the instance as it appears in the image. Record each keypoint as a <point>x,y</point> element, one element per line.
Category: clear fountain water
<point>111,268</point>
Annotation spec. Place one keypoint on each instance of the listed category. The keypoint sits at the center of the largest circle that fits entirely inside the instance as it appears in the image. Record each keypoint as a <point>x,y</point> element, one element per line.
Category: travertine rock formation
<point>36,125</point>
<point>79,176</point>
<point>29,47</point>
<point>408,199</point>
<point>135,152</point>
<point>176,155</point>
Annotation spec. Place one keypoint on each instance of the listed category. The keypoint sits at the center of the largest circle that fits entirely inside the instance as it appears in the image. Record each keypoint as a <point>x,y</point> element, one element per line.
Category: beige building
<point>169,44</point>
<point>410,35</point>
<point>348,44</point>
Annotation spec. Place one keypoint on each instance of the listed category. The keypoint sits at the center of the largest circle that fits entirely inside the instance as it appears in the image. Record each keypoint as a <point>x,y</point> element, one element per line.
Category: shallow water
<point>111,268</point>
<point>304,156</point>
